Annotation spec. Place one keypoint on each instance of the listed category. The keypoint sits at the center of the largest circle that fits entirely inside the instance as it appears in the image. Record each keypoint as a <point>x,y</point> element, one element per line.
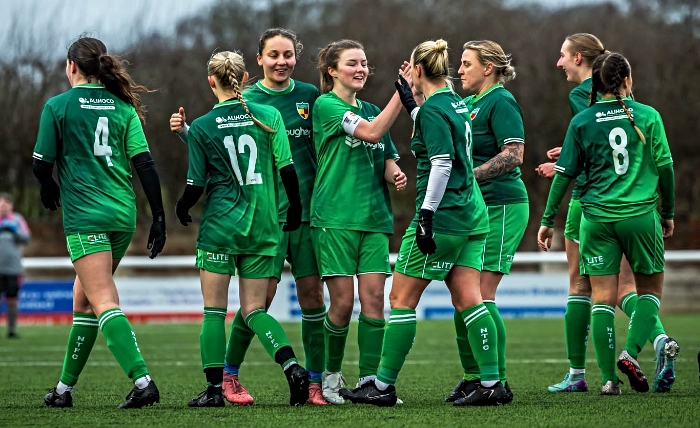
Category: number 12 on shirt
<point>244,141</point>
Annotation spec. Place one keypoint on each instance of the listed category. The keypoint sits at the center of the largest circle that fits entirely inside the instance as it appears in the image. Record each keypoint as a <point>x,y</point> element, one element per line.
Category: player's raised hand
<point>178,120</point>
<point>544,238</point>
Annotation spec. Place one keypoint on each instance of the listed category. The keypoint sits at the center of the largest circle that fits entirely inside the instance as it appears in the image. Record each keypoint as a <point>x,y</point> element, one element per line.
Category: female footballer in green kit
<point>498,144</point>
<point>445,240</point>
<point>351,216</point>
<point>278,52</point>
<point>621,146</point>
<point>91,132</point>
<point>237,155</point>
<point>578,52</point>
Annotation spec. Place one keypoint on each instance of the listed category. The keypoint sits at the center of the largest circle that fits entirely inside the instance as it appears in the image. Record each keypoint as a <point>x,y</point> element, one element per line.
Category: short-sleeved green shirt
<point>579,99</point>
<point>621,169</point>
<point>92,135</point>
<point>295,104</point>
<point>350,191</point>
<point>238,161</point>
<point>497,119</point>
<point>442,130</point>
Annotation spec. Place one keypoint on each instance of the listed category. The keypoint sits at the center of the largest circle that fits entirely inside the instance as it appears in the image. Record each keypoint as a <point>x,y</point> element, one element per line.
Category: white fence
<point>537,257</point>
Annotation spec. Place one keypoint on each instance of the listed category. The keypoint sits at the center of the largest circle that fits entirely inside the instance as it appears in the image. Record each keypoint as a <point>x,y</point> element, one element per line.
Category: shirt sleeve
<point>571,156</point>
<point>390,151</point>
<point>281,151</point>
<point>579,100</point>
<point>659,143</point>
<point>48,138</point>
<point>507,123</point>
<point>557,191</point>
<point>330,114</point>
<point>197,169</point>
<point>23,235</point>
<point>135,138</point>
<point>436,133</point>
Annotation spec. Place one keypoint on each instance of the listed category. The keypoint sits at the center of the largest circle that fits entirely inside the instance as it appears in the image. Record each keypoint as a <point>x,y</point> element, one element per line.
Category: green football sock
<point>629,304</point>
<point>312,336</point>
<point>483,339</point>
<point>466,356</point>
<point>501,334</point>
<point>370,336</point>
<point>81,339</point>
<point>603,332</point>
<point>335,345</point>
<point>268,330</point>
<point>212,339</point>
<point>398,340</point>
<point>577,323</point>
<point>642,322</point>
<point>239,340</point>
<point>121,340</point>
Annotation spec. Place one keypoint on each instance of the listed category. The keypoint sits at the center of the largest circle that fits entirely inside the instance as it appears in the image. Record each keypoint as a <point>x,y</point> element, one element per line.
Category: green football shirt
<point>579,99</point>
<point>92,135</point>
<point>295,103</point>
<point>621,169</point>
<point>241,161</point>
<point>497,120</point>
<point>350,191</point>
<point>442,130</point>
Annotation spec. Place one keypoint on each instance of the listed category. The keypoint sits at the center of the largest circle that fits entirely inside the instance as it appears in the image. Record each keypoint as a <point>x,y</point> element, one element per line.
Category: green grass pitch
<point>31,365</point>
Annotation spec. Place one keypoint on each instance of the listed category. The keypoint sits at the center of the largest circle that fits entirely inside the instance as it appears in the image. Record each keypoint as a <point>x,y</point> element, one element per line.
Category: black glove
<point>156,238</point>
<point>424,232</point>
<point>406,94</point>
<point>293,217</point>
<point>182,213</point>
<point>50,194</point>
<point>290,181</point>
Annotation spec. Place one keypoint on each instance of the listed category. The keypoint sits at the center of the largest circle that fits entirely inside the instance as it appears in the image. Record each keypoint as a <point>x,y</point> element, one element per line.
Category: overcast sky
<point>53,24</point>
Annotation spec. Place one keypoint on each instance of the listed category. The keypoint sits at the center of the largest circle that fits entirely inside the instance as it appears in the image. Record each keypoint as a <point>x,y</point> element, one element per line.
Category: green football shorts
<point>640,239</point>
<point>297,248</point>
<point>350,252</point>
<point>460,250</point>
<point>82,244</point>
<point>573,221</point>
<point>508,224</point>
<point>250,266</point>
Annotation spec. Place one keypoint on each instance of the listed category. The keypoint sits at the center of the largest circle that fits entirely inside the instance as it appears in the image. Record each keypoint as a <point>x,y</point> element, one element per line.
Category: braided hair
<point>228,67</point>
<point>609,71</point>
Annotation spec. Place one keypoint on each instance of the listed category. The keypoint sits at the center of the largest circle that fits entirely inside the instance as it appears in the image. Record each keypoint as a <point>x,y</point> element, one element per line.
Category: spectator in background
<point>14,233</point>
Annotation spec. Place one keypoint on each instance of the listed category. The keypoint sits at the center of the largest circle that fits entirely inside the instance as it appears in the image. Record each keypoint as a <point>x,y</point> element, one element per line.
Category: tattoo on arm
<point>511,156</point>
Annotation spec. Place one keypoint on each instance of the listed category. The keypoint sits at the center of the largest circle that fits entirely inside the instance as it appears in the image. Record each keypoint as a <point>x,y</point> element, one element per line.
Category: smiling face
<point>352,70</point>
<point>471,72</point>
<point>568,62</point>
<point>278,60</point>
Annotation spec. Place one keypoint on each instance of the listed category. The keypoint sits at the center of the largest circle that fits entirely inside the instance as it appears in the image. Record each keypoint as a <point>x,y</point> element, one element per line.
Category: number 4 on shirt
<point>101,146</point>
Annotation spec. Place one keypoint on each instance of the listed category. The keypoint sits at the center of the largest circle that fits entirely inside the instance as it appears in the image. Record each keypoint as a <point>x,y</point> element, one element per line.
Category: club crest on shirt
<point>303,110</point>
<point>473,113</point>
